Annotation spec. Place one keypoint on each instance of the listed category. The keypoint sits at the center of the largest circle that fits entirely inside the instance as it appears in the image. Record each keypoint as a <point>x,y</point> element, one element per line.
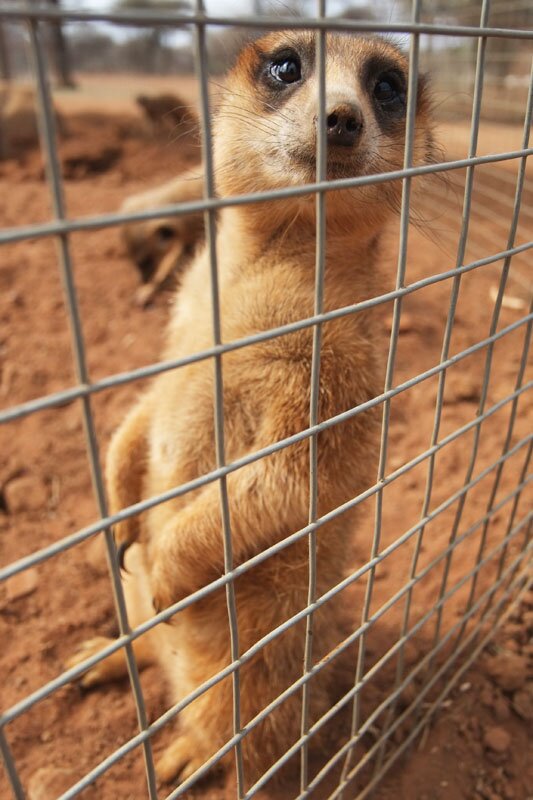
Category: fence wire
<point>442,666</point>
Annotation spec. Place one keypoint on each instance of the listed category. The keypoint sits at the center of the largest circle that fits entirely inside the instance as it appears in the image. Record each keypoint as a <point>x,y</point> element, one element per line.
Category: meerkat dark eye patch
<point>385,81</point>
<point>389,92</point>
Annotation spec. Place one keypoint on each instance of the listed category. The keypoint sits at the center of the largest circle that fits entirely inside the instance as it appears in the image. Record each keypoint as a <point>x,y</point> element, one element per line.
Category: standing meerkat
<point>264,139</point>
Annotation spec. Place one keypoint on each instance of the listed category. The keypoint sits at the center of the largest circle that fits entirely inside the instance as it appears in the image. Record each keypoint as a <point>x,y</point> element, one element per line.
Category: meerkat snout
<point>344,123</point>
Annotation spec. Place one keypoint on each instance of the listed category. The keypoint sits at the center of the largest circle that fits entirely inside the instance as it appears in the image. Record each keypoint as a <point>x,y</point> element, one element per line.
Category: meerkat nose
<point>344,124</point>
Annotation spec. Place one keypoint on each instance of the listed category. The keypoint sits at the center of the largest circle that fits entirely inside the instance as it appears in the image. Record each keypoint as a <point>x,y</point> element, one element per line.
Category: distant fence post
<point>5,66</point>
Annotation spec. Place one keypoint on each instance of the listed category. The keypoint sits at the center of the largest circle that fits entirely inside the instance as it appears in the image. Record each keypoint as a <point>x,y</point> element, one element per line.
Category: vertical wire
<point>400,279</point>
<point>210,228</point>
<point>488,364</point>
<point>321,171</point>
<point>514,509</point>
<point>465,223</point>
<point>525,350</point>
<point>11,769</point>
<point>53,170</point>
<point>519,591</point>
<point>499,471</point>
<point>527,537</point>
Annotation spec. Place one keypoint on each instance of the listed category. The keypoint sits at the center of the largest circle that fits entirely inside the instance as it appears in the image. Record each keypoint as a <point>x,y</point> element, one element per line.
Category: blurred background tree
<point>5,67</point>
<point>151,41</point>
<point>59,50</point>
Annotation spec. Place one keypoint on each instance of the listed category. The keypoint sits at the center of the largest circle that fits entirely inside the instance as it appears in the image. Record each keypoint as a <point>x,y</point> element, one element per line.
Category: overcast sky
<point>222,7</point>
<point>218,7</point>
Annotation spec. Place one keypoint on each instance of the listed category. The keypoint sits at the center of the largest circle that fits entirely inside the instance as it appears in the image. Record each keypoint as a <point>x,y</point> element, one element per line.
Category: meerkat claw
<point>122,547</point>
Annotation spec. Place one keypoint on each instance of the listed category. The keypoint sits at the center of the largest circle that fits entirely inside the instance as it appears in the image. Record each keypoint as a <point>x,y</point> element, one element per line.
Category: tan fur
<point>162,247</point>
<point>266,262</point>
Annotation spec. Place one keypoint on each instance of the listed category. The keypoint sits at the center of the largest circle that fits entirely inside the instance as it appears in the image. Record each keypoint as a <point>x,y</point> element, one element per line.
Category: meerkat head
<point>266,126</point>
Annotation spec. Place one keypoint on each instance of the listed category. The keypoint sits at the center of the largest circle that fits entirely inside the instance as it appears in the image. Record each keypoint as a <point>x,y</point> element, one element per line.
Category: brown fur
<point>266,261</point>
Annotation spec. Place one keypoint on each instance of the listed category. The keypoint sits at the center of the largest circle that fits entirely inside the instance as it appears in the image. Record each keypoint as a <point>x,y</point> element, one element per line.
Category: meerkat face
<point>268,115</point>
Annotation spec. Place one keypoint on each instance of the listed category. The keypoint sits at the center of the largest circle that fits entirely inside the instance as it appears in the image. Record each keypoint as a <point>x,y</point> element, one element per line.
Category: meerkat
<point>265,134</point>
<point>162,247</point>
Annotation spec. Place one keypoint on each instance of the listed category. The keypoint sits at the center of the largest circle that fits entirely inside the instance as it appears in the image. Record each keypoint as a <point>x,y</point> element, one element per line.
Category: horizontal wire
<point>75,672</point>
<point>142,17</point>
<point>148,18</point>
<point>165,718</point>
<point>436,677</point>
<point>79,536</point>
<point>317,725</point>
<point>350,640</point>
<point>339,705</point>
<point>119,379</point>
<point>367,725</point>
<point>44,229</point>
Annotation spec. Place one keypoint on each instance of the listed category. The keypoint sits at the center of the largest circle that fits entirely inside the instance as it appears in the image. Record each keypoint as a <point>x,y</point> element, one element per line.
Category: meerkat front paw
<point>164,589</point>
<point>111,668</point>
<point>167,570</point>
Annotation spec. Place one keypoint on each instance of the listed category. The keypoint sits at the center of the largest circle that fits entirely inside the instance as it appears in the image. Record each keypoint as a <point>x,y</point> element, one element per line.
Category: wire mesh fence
<point>492,229</point>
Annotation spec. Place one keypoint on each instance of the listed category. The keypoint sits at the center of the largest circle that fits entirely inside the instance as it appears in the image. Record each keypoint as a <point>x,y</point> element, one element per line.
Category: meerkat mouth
<point>338,165</point>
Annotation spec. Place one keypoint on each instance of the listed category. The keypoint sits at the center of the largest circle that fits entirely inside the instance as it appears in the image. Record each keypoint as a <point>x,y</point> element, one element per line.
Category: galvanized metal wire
<point>210,228</point>
<point>512,577</point>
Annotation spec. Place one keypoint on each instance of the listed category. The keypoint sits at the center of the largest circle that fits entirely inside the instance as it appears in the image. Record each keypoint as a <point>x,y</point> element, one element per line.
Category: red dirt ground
<point>46,486</point>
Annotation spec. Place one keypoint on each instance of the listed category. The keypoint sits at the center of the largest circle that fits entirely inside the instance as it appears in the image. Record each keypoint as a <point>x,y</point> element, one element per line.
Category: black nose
<point>344,124</point>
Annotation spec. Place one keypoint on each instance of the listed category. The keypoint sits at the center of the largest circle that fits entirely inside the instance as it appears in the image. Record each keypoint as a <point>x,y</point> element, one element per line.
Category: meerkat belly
<point>182,432</point>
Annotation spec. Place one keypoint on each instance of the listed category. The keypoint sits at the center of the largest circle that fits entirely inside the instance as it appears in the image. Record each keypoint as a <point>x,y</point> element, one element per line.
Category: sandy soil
<point>46,488</point>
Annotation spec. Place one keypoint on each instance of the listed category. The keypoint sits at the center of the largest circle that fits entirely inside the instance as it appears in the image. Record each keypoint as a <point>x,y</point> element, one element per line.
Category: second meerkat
<point>264,139</point>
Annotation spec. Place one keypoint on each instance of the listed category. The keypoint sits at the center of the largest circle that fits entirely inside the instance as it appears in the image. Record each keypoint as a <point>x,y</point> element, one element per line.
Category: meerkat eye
<point>388,92</point>
<point>165,232</point>
<point>286,70</point>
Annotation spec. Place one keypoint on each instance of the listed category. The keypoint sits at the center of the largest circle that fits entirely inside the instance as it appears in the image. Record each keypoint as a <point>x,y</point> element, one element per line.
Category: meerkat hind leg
<point>112,668</point>
<point>139,607</point>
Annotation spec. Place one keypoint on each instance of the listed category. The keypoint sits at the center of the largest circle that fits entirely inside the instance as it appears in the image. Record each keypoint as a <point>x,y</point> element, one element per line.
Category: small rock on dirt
<point>463,388</point>
<point>523,703</point>
<point>507,670</point>
<point>501,709</point>
<point>21,585</point>
<point>496,739</point>
<point>25,493</point>
<point>527,619</point>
